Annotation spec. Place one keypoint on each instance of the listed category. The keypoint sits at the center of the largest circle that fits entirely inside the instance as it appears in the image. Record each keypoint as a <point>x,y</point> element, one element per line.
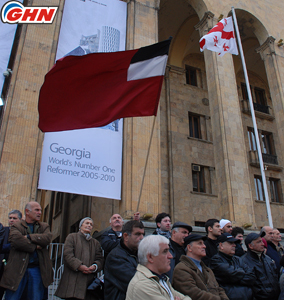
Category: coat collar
<point>24,223</point>
<point>144,270</point>
<point>187,261</point>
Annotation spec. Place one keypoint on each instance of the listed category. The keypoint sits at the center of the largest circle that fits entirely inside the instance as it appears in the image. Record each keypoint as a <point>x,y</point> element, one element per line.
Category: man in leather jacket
<point>266,285</point>
<point>233,277</point>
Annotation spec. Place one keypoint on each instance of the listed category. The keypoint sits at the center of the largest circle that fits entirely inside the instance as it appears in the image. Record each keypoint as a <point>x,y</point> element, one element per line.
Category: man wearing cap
<point>226,226</point>
<point>180,231</point>
<point>235,278</point>
<point>266,285</point>
<point>192,277</point>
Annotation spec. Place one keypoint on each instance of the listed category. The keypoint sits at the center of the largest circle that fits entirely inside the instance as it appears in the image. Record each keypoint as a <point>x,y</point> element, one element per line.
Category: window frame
<point>267,142</point>
<point>259,185</point>
<point>188,78</point>
<point>200,177</point>
<point>192,124</point>
<point>275,190</point>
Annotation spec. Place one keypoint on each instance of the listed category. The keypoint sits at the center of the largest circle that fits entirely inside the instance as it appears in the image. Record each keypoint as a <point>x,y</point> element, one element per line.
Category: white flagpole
<point>254,122</point>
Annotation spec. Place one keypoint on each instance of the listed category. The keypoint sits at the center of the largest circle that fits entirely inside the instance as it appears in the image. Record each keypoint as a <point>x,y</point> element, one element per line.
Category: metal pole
<point>254,122</point>
<point>147,158</point>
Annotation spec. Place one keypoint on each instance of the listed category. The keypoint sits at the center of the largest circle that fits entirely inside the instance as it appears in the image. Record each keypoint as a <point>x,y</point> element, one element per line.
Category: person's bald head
<point>268,232</point>
<point>116,222</point>
<point>32,212</point>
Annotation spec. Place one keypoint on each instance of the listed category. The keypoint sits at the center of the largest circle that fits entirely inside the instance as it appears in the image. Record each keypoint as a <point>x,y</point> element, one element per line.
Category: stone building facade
<point>202,160</point>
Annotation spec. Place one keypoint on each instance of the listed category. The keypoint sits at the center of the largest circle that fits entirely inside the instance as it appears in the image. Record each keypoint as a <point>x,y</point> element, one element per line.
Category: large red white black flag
<point>221,38</point>
<point>96,89</point>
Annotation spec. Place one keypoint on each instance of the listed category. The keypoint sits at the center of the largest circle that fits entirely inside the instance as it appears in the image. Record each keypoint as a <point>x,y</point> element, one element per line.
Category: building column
<point>142,30</point>
<point>273,60</point>
<point>232,173</point>
<point>275,77</point>
<point>20,138</point>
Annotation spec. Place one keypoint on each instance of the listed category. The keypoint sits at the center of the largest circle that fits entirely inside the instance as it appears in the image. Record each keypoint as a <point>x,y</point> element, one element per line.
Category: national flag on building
<point>96,89</point>
<point>221,38</point>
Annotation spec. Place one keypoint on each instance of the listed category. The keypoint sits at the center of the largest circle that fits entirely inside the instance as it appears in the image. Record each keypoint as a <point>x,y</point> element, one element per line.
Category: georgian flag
<point>98,88</point>
<point>221,38</point>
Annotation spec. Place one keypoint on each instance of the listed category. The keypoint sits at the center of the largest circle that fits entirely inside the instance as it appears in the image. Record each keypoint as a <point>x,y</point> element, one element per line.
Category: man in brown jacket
<point>29,266</point>
<point>192,277</point>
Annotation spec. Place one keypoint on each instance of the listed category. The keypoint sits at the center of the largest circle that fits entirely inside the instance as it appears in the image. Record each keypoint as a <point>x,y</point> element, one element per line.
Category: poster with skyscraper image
<point>87,161</point>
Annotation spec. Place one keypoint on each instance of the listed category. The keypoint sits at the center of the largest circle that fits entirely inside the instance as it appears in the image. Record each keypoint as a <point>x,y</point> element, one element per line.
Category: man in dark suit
<point>14,216</point>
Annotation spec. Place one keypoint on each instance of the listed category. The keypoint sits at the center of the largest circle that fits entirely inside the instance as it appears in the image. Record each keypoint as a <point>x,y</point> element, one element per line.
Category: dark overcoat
<point>77,251</point>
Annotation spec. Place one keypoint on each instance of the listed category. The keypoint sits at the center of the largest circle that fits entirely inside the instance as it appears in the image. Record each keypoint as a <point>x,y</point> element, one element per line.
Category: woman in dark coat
<point>83,258</point>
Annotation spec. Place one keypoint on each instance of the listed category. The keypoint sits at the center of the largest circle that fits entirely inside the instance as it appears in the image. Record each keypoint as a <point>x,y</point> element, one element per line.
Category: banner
<point>88,165</point>
<point>7,33</point>
<point>87,161</point>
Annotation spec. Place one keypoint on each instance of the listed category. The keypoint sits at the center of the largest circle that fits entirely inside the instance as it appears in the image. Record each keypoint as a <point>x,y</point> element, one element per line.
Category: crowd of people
<point>172,263</point>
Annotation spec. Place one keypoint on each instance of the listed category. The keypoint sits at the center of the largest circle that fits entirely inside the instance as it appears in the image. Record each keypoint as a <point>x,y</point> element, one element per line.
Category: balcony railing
<point>270,159</point>
<point>261,108</point>
<point>261,111</point>
<point>267,159</point>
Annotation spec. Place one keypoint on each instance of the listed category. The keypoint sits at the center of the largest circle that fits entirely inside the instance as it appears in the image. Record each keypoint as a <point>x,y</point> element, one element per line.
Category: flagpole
<point>147,158</point>
<point>254,122</point>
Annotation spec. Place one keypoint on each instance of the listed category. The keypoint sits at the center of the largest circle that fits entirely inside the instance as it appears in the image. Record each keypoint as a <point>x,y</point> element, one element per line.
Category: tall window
<point>251,138</point>
<point>58,203</point>
<point>75,226</point>
<point>267,143</point>
<point>258,188</point>
<point>45,214</point>
<point>259,96</point>
<point>198,180</point>
<point>275,190</point>
<point>244,91</point>
<point>194,125</point>
<point>191,75</point>
<point>274,186</point>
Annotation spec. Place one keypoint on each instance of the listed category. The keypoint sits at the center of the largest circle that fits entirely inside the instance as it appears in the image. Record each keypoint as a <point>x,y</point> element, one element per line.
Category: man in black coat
<point>180,231</point>
<point>266,285</point>
<point>274,249</point>
<point>110,238</point>
<point>237,280</point>
<point>238,233</point>
<point>14,216</point>
<point>213,230</point>
<point>121,262</point>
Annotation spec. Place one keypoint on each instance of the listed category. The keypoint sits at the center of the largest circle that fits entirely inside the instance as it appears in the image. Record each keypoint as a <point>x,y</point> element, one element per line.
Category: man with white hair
<point>226,226</point>
<point>150,281</point>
